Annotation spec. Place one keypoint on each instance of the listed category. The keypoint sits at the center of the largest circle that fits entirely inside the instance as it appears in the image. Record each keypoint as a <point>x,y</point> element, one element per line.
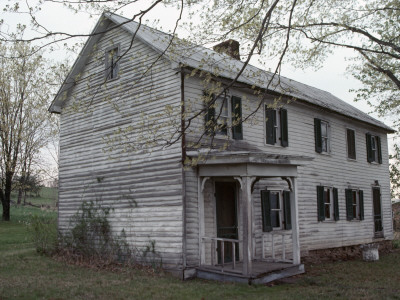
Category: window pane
<point>275,221</point>
<point>327,196</point>
<point>327,211</point>
<point>324,129</point>
<point>324,145</point>
<point>218,103</point>
<point>274,199</point>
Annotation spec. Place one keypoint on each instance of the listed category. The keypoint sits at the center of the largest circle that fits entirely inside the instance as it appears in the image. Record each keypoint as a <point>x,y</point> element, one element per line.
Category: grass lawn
<point>47,196</point>
<point>26,275</point>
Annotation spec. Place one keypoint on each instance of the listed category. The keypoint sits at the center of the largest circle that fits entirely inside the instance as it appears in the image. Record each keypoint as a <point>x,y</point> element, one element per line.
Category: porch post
<point>200,196</point>
<point>247,220</point>
<point>295,222</point>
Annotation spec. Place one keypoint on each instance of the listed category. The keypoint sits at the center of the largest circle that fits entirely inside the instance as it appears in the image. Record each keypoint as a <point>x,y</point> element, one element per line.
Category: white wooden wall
<point>333,169</point>
<point>144,188</point>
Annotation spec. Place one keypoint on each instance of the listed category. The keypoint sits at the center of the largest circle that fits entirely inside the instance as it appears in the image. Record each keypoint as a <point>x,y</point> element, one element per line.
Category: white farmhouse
<point>232,180</point>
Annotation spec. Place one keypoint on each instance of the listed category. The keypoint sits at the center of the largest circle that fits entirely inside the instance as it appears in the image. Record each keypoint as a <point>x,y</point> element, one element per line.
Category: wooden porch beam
<point>247,220</point>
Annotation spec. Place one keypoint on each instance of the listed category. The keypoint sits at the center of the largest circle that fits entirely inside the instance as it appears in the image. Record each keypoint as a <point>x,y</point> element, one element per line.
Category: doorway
<point>227,221</point>
<point>376,196</point>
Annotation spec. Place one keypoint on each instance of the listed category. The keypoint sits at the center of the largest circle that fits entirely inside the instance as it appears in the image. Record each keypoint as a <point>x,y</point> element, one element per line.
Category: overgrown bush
<point>90,235</point>
<point>43,230</point>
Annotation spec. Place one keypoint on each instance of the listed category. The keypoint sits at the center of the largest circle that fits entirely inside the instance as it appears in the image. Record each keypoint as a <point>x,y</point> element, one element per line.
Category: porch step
<point>271,273</point>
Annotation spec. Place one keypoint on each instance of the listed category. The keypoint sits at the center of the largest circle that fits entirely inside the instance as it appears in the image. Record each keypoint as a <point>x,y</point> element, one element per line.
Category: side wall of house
<point>332,170</point>
<point>112,152</point>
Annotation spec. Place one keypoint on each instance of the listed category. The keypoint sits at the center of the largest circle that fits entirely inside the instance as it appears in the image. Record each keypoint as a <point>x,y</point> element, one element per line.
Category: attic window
<point>112,63</point>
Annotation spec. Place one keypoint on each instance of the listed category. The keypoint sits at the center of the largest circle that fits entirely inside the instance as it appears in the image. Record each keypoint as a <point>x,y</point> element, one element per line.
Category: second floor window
<point>322,136</point>
<point>276,126</point>
<point>224,114</point>
<point>112,63</point>
<point>374,152</point>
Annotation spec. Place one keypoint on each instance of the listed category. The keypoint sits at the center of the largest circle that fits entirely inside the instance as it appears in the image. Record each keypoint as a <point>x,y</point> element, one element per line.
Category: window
<point>112,63</point>
<point>322,136</point>
<point>275,206</point>
<point>223,115</point>
<point>351,144</point>
<point>354,204</point>
<point>328,203</point>
<point>276,126</point>
<point>374,152</point>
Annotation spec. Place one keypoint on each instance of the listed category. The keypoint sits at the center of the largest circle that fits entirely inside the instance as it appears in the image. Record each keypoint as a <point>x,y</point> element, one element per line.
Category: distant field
<point>26,275</point>
<point>47,196</point>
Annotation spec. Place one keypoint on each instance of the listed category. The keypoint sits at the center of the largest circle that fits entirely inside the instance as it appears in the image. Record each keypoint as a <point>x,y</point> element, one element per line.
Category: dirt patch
<point>342,253</point>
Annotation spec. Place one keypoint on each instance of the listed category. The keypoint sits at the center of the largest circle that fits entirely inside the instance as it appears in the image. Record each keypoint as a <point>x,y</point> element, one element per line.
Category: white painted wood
<point>294,205</point>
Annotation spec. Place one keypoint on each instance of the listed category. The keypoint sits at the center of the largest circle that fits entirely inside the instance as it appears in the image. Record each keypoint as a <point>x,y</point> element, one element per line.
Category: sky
<point>332,77</point>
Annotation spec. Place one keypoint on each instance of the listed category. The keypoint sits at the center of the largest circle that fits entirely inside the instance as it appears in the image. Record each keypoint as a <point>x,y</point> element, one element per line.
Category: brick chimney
<point>229,47</point>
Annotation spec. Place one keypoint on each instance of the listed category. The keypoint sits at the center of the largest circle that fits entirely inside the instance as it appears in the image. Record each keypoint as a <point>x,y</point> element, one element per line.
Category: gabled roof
<point>198,57</point>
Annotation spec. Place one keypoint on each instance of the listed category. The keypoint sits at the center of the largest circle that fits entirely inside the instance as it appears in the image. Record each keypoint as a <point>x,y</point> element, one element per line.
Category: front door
<point>226,201</point>
<point>376,195</point>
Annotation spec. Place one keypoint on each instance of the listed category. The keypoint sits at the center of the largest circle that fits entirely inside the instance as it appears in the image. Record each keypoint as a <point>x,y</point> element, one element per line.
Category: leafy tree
<point>24,96</point>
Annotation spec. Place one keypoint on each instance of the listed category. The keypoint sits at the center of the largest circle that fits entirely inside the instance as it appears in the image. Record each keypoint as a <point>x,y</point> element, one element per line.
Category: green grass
<point>26,275</point>
<point>47,196</point>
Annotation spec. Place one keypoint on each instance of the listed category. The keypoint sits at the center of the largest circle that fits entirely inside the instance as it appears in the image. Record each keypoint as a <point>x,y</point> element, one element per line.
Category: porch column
<point>247,220</point>
<point>200,196</point>
<point>294,205</point>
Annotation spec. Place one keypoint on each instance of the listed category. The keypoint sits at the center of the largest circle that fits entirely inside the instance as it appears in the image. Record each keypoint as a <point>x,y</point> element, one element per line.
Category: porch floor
<point>262,272</point>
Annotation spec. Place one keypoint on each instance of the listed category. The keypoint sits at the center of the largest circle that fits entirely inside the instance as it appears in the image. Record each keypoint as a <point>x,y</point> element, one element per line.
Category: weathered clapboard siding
<point>132,182</point>
<point>333,169</point>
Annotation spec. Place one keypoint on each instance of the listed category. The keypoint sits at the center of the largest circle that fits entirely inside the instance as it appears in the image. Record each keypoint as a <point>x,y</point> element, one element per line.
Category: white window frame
<point>110,75</point>
<point>327,138</point>
<point>280,210</point>
<point>374,150</point>
<point>277,126</point>
<point>331,204</point>
<point>356,205</point>
<point>227,117</point>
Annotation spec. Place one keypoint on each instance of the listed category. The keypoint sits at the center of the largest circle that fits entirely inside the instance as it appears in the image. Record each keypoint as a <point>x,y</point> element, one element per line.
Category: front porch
<point>233,245</point>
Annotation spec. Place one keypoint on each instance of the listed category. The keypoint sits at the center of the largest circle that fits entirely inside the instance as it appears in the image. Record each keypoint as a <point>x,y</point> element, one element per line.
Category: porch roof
<point>243,163</point>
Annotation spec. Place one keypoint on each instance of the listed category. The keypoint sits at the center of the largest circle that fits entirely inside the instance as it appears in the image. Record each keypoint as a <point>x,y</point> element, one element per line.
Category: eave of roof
<point>202,58</point>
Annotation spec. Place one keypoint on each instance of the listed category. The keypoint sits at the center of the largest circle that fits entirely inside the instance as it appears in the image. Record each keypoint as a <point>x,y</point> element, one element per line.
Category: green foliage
<point>43,229</point>
<point>151,257</point>
<point>91,235</point>
<point>395,172</point>
<point>396,244</point>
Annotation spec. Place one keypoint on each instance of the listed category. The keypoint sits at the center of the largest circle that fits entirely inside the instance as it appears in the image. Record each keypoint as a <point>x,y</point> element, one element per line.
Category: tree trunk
<point>19,196</point>
<point>7,196</point>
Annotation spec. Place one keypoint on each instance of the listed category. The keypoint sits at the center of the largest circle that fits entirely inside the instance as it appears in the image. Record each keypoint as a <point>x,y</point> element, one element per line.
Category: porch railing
<point>274,238</point>
<point>215,242</point>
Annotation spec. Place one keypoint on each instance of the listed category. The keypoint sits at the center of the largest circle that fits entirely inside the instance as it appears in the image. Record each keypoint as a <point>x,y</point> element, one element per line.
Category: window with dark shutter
<point>317,134</point>
<point>237,129</point>
<point>351,144</point>
<point>374,149</point>
<point>320,203</point>
<point>284,128</point>
<point>266,211</point>
<point>354,204</point>
<point>270,125</point>
<point>287,211</point>
<point>335,204</point>
<point>349,204</point>
<point>210,115</point>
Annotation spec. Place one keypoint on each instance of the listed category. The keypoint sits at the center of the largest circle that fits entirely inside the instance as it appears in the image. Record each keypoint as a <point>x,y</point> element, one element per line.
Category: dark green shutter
<point>284,128</point>
<point>361,204</point>
<point>266,211</point>
<point>210,116</point>
<point>318,137</point>
<point>349,205</point>
<point>351,144</point>
<point>336,204</point>
<point>370,154</point>
<point>379,149</point>
<point>269,126</point>
<point>320,203</point>
<point>286,210</point>
<point>237,129</point>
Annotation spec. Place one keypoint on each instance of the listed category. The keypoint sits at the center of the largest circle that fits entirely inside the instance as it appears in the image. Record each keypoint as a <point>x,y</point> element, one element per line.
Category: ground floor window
<point>275,206</point>
<point>328,203</point>
<point>354,204</point>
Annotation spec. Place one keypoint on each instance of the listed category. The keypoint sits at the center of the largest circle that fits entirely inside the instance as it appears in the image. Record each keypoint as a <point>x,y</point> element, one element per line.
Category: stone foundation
<point>342,253</point>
